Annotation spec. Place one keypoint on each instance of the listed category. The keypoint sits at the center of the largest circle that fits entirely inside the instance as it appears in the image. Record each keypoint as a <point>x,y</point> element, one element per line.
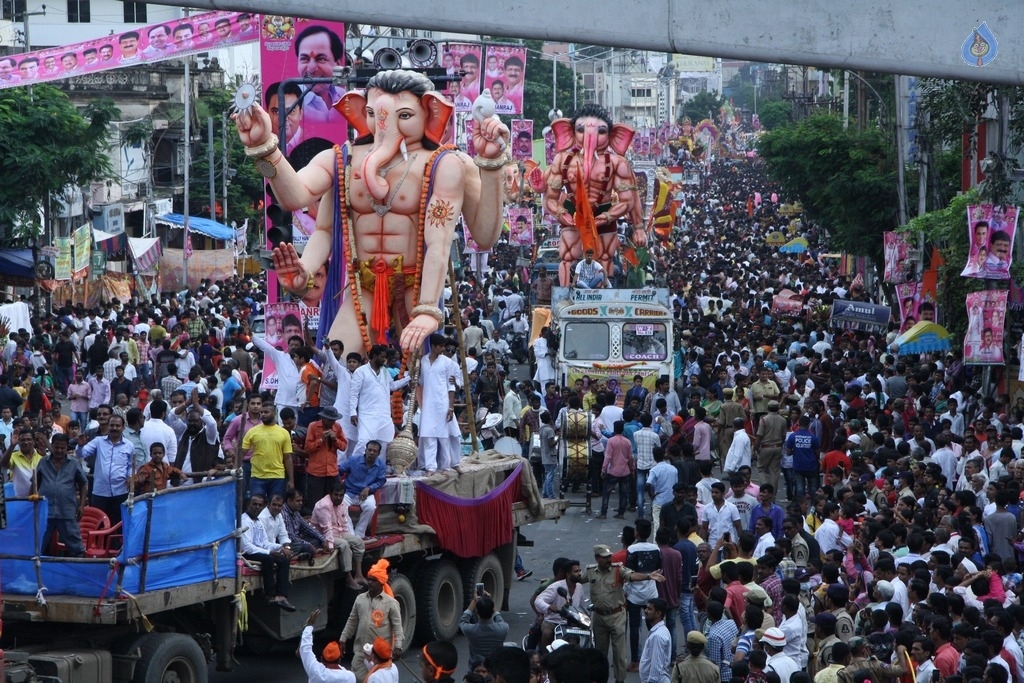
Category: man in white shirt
<point>955,418</point>
<point>774,642</point>
<point>830,535</point>
<point>589,274</point>
<point>273,522</point>
<point>369,406</point>
<point>720,517</point>
<point>273,557</point>
<point>156,430</point>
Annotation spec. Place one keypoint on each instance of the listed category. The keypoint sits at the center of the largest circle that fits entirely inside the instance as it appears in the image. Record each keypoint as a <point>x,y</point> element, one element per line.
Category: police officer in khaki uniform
<point>836,598</point>
<point>696,668</point>
<point>609,612</point>
<point>771,432</point>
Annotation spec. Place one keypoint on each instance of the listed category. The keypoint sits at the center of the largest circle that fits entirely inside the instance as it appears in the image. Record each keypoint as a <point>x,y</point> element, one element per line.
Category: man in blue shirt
<point>366,475</point>
<point>110,458</point>
<point>804,447</point>
<point>768,509</point>
<point>229,387</point>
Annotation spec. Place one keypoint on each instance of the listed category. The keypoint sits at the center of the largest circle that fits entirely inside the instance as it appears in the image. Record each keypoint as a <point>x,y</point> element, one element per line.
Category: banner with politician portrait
<point>990,230</point>
<point>283,320</point>
<point>504,76</point>
<point>522,139</point>
<point>986,314</point>
<point>465,58</point>
<point>172,39</point>
<point>897,265</point>
<point>520,226</point>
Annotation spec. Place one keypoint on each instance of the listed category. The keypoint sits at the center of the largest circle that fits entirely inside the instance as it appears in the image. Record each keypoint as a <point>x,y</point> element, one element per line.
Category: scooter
<point>577,628</point>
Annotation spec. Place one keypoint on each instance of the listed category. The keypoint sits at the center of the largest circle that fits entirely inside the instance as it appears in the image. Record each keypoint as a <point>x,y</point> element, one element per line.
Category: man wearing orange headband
<point>438,661</point>
<point>374,615</point>
<point>331,670</point>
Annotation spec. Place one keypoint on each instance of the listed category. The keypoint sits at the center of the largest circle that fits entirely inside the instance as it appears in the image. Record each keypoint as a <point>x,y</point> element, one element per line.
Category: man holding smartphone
<point>482,624</point>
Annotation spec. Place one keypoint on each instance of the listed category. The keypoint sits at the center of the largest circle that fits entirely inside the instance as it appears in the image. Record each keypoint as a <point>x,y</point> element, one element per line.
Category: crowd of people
<point>809,505</point>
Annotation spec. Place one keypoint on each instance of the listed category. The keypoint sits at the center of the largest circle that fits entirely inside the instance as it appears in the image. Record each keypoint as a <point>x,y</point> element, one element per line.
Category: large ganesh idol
<point>590,186</point>
<point>389,206</point>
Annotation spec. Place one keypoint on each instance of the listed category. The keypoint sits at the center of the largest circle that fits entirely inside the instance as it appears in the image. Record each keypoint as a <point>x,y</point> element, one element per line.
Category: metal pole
<point>224,160</point>
<point>213,178</point>
<point>554,81</point>
<point>574,105</point>
<point>846,100</point>
<point>188,160</point>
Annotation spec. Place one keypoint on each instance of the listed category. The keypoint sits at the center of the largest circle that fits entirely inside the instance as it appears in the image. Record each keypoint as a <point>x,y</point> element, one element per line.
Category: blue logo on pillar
<point>981,47</point>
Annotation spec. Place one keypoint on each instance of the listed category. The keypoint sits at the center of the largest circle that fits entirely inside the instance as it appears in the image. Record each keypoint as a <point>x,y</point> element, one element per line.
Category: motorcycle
<point>577,628</point>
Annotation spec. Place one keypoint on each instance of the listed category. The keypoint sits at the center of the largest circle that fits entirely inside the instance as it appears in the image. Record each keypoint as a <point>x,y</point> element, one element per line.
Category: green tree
<point>775,114</point>
<point>703,105</point>
<point>537,96</point>
<point>845,178</point>
<point>46,146</point>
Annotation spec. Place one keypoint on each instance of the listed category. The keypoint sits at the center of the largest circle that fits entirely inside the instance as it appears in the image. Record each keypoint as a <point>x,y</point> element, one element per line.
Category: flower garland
<point>349,243</point>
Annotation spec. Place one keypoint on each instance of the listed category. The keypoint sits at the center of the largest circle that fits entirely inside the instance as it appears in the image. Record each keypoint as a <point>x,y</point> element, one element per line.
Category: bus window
<point>644,341</point>
<point>585,341</point>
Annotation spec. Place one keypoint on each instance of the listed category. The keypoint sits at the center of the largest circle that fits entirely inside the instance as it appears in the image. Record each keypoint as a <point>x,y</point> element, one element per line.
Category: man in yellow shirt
<point>271,461</point>
<point>22,461</point>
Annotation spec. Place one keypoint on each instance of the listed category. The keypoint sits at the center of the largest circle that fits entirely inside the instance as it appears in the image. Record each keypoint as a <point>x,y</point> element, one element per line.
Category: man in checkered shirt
<point>645,439</point>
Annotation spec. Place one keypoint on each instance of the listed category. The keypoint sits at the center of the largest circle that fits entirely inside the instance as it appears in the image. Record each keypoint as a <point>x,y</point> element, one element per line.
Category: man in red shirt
<point>837,457</point>
<point>616,470</point>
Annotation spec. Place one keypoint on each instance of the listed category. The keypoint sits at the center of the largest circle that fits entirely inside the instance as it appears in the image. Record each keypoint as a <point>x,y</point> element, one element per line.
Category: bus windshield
<point>585,341</point>
<point>644,341</point>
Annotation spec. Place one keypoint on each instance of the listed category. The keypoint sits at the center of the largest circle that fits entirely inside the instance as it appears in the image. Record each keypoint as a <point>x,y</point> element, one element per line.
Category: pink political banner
<point>520,226</point>
<point>990,230</point>
<point>896,250</point>
<point>522,139</point>
<point>909,296</point>
<point>470,127</point>
<point>504,76</point>
<point>465,57</point>
<point>145,45</point>
<point>292,48</point>
<point>283,321</point>
<point>986,316</point>
<point>549,147</point>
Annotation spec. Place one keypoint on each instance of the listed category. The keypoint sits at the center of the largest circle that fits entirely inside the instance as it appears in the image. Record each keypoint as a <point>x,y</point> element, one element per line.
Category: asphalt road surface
<point>572,536</point>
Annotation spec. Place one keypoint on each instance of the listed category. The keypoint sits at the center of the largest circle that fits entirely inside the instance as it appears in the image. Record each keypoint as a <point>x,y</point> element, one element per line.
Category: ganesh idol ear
<point>352,106</point>
<point>439,113</point>
<point>565,136</point>
<point>620,137</point>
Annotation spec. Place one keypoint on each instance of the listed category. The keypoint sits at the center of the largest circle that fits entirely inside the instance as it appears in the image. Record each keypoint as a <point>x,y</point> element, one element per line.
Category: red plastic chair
<point>100,538</point>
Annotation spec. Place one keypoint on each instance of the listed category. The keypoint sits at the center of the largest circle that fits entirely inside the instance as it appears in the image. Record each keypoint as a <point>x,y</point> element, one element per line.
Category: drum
<point>507,445</point>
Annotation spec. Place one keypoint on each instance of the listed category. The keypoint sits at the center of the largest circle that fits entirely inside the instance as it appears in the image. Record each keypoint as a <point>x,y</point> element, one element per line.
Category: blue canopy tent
<point>17,267</point>
<point>203,226</point>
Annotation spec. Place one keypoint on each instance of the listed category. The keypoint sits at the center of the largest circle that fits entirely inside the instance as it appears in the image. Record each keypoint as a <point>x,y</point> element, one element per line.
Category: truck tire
<point>401,586</point>
<point>439,596</point>
<point>169,658</point>
<point>486,570</point>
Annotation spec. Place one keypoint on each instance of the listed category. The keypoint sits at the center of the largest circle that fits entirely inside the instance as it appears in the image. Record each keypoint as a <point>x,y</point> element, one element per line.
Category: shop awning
<point>146,251</point>
<point>204,226</point>
<point>860,316</point>
<point>110,244</point>
<point>17,267</point>
<point>924,337</point>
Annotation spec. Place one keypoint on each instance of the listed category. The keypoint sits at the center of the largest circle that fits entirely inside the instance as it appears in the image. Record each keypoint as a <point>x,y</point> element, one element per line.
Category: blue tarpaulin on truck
<point>191,539</point>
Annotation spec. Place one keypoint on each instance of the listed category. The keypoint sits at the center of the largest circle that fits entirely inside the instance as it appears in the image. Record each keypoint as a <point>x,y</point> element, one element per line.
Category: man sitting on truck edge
<point>330,518</point>
<point>273,558</point>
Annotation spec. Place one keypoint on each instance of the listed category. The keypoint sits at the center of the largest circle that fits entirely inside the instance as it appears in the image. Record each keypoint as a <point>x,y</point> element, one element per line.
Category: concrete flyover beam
<point>913,37</point>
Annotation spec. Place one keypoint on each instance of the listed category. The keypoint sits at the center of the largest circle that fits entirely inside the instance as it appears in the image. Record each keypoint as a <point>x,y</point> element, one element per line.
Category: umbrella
<point>794,246</point>
<point>924,337</point>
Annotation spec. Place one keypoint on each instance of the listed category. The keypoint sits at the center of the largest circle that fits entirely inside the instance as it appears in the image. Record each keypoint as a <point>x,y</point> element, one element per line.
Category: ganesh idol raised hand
<point>389,206</point>
<point>590,186</point>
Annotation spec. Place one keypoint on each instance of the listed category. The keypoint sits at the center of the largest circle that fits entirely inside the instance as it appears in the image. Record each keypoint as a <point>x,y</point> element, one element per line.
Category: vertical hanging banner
<point>464,57</point>
<point>296,48</point>
<point>504,75</point>
<point>82,239</point>
<point>908,294</point>
<point>896,252</point>
<point>990,230</point>
<point>520,226</point>
<point>522,139</point>
<point>283,321</point>
<point>549,147</point>
<point>62,263</point>
<point>470,127</point>
<point>986,314</point>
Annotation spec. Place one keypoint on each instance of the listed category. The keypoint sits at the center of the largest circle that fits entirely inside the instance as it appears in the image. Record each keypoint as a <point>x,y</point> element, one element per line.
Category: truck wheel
<point>406,597</point>
<point>486,570</point>
<point>439,599</point>
<point>169,658</point>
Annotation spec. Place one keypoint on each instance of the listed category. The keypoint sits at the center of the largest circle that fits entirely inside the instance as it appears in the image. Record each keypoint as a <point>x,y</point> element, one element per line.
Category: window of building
<point>14,10</point>
<point>79,12</point>
<point>135,12</point>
